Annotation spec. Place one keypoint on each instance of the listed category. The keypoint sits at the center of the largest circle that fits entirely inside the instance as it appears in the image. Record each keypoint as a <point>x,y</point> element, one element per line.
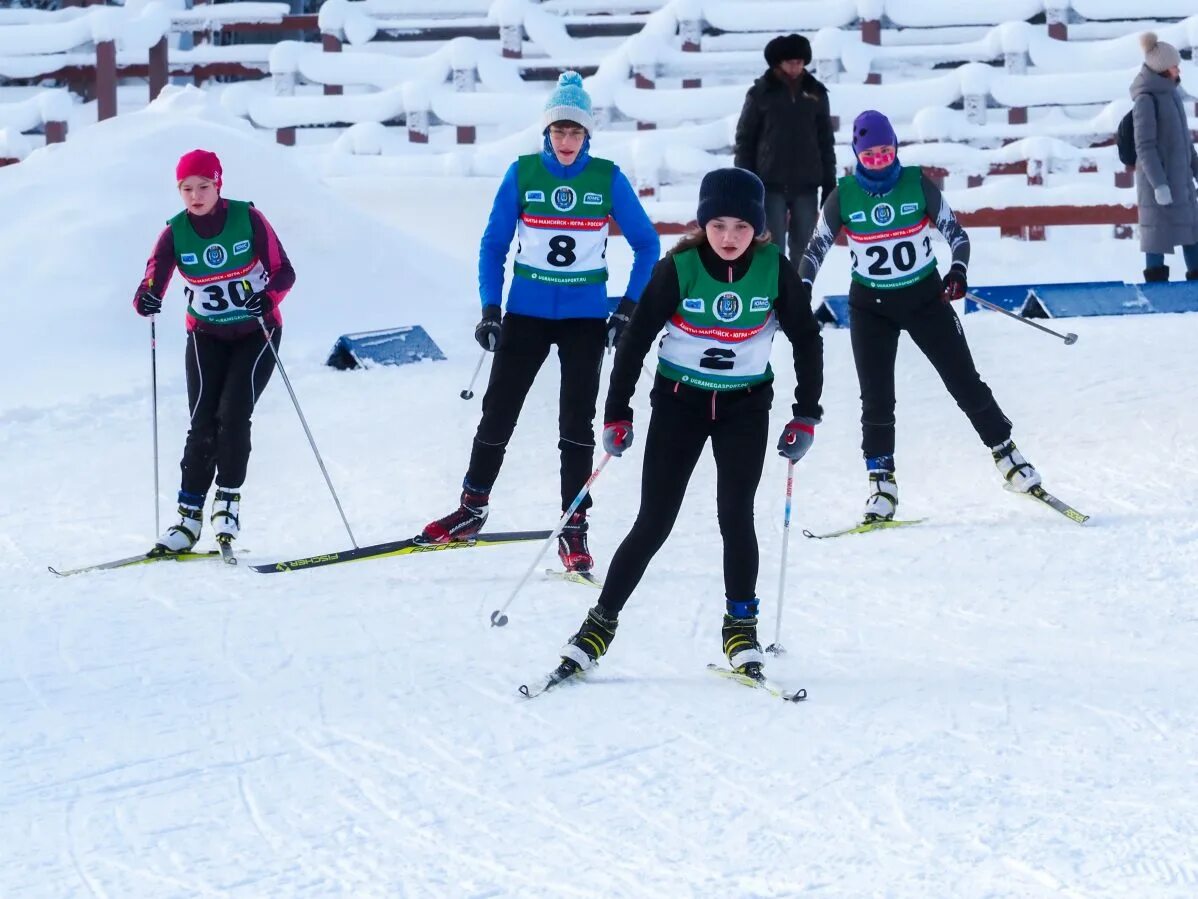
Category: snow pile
<point>91,208</point>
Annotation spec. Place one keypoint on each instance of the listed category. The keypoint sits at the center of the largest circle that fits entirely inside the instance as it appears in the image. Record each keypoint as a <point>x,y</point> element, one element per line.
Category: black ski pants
<point>791,218</point>
<point>523,348</point>
<point>683,419</point>
<point>876,318</point>
<point>224,380</point>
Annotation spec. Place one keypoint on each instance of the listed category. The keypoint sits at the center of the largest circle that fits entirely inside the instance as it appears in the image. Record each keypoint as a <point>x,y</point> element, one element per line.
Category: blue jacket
<point>542,300</point>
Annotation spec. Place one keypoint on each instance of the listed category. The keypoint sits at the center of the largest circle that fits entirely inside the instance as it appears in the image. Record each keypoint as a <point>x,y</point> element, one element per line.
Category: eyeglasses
<point>568,133</point>
<point>878,155</point>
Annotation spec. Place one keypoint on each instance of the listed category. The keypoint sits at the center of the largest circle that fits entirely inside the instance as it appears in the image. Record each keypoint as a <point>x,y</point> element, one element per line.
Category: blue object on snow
<point>834,311</point>
<point>394,346</point>
<point>1087,298</point>
<point>1171,296</point>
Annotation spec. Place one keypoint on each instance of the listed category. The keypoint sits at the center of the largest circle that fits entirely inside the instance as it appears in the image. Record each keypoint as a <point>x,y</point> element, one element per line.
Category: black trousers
<point>522,350</point>
<point>876,318</point>
<point>803,211</point>
<point>224,380</point>
<point>737,422</point>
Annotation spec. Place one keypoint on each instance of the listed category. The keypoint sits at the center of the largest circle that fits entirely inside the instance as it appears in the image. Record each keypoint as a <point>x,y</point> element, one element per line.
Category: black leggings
<point>877,317</point>
<point>522,351</point>
<point>683,418</point>
<point>224,380</point>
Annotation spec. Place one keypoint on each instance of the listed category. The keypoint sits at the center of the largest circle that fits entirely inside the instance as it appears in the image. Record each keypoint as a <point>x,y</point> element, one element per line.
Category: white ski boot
<point>883,499</point>
<point>1017,471</point>
<point>226,512</point>
<point>182,536</point>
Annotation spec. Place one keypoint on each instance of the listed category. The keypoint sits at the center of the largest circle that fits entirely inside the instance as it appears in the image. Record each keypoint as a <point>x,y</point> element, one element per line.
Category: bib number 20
<point>904,256</point>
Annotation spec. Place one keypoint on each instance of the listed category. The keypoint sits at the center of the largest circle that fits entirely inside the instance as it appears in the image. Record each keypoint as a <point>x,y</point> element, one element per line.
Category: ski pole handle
<point>468,393</point>
<point>1069,338</point>
<point>498,618</point>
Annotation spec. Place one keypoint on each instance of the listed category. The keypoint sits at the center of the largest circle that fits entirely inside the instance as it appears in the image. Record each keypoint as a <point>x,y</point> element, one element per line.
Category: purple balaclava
<point>872,129</point>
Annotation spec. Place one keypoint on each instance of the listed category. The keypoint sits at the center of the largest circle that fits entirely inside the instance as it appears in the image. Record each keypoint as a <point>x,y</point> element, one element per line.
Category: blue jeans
<point>1152,260</point>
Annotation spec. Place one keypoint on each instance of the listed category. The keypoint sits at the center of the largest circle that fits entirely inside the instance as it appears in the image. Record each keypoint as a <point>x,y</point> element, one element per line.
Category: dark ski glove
<point>617,437</point>
<point>259,304</point>
<point>488,331</point>
<point>148,304</point>
<point>955,284</point>
<point>619,321</point>
<point>797,438</point>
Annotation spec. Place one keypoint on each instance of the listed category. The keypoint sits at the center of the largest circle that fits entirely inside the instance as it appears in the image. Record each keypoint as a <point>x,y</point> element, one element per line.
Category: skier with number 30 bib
<point>557,203</point>
<point>236,273</point>
<point>888,211</point>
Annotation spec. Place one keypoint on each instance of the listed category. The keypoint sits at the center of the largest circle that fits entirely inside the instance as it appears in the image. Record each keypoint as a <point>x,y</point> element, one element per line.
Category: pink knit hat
<point>199,162</point>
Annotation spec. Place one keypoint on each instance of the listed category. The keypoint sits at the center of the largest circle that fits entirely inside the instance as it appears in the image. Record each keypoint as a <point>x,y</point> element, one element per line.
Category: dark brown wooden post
<point>158,68</point>
<point>871,32</point>
<point>56,132</point>
<point>105,80</point>
<point>691,32</point>
<point>330,43</point>
<point>285,136</point>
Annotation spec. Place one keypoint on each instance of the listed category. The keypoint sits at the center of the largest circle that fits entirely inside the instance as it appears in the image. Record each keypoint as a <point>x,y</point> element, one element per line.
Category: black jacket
<point>660,301</point>
<point>784,135</point>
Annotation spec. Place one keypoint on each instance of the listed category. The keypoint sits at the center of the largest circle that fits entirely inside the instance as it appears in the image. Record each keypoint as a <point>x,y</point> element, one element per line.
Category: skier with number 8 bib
<point>557,203</point>
<point>236,273</point>
<point>888,211</point>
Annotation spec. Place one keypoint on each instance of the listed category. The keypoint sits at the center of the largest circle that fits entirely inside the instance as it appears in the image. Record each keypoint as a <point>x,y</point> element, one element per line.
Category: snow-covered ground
<point>1001,702</point>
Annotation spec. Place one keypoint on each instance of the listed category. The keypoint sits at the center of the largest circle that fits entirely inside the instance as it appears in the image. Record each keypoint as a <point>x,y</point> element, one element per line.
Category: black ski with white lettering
<point>407,547</point>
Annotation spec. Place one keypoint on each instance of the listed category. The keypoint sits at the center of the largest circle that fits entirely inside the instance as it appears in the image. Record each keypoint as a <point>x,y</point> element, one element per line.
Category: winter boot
<point>740,638</point>
<point>1156,273</point>
<point>226,514</point>
<point>462,523</point>
<point>586,647</point>
<point>572,544</point>
<point>182,536</point>
<point>1016,469</point>
<point>883,496</point>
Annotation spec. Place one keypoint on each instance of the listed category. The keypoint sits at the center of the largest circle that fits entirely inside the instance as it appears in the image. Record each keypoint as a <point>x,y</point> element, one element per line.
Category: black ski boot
<point>586,647</point>
<point>462,523</point>
<point>740,638</point>
<point>572,544</point>
<point>1156,274</point>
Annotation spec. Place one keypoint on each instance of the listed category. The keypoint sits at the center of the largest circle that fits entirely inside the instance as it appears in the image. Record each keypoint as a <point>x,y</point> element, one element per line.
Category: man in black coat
<point>784,136</point>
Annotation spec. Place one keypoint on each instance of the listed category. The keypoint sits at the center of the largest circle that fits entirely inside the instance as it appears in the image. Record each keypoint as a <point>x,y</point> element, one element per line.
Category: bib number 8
<point>561,250</point>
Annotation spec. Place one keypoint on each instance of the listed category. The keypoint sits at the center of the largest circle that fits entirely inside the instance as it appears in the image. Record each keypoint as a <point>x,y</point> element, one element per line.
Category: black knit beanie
<point>732,192</point>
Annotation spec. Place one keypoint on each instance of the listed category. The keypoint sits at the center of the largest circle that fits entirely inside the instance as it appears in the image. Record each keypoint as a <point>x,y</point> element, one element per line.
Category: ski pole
<point>468,393</point>
<point>776,647</point>
<point>304,422</point>
<point>1069,338</point>
<point>498,618</point>
<point>154,407</point>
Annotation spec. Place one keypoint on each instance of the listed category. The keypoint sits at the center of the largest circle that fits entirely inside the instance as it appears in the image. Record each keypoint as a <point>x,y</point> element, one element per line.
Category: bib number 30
<point>215,298</point>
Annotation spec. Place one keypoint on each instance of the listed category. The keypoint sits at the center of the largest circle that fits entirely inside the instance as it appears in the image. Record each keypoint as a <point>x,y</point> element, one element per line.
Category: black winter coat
<point>784,135</point>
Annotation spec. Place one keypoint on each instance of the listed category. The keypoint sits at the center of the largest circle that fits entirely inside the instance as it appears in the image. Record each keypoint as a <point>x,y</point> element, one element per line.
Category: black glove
<point>619,321</point>
<point>797,437</point>
<point>259,304</point>
<point>489,329</point>
<point>148,304</point>
<point>955,284</point>
<point>825,192</point>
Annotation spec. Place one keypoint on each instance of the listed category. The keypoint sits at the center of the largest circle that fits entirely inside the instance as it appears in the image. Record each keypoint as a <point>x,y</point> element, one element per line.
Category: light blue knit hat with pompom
<point>570,103</point>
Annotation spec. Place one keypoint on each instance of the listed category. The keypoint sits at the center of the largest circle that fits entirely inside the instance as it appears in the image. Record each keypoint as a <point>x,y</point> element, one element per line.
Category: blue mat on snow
<point>394,346</point>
